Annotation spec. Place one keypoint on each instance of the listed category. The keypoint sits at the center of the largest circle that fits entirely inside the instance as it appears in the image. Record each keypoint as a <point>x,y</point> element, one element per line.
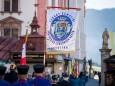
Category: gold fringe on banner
<point>61,52</point>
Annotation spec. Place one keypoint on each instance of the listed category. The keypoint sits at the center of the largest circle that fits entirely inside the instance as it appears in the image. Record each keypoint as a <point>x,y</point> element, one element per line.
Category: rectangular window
<point>14,5</point>
<point>53,2</point>
<point>15,33</point>
<point>11,32</point>
<point>68,3</point>
<point>7,32</point>
<point>61,3</point>
<point>6,5</point>
<point>10,5</point>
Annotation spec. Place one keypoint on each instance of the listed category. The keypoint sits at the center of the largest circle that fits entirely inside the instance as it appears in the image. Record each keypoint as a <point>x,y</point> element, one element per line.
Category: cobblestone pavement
<point>92,82</point>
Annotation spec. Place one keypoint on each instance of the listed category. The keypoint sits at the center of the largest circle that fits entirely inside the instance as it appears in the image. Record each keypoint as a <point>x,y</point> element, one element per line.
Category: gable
<point>10,19</point>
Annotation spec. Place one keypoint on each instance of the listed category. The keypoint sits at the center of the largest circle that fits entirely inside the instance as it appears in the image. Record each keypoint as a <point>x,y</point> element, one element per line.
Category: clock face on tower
<point>34,30</point>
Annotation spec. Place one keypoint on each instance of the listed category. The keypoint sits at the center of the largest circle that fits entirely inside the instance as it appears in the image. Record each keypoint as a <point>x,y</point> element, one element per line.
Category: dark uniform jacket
<point>39,81</point>
<point>4,83</point>
<point>11,77</point>
<point>65,83</point>
<point>21,83</point>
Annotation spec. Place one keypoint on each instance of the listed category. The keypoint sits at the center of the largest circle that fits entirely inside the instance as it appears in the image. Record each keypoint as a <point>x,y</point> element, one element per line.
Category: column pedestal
<point>105,53</point>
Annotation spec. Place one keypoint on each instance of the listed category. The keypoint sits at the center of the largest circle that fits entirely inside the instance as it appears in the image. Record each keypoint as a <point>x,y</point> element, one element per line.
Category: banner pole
<point>63,8</point>
<point>44,62</point>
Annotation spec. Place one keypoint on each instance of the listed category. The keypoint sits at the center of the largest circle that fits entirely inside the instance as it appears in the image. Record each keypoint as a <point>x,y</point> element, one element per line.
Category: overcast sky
<point>100,4</point>
<point>93,49</point>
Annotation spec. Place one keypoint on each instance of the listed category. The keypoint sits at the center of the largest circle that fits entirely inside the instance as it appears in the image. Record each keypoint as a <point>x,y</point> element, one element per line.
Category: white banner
<point>61,31</point>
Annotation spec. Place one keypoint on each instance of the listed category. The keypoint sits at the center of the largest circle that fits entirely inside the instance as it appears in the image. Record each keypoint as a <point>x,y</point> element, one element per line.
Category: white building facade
<point>14,17</point>
<point>15,14</point>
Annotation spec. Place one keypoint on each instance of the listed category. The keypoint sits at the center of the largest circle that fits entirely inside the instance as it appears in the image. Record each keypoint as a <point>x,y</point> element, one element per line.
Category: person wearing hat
<point>54,80</point>
<point>39,80</point>
<point>65,81</point>
<point>61,78</point>
<point>2,73</point>
<point>22,75</point>
<point>12,76</point>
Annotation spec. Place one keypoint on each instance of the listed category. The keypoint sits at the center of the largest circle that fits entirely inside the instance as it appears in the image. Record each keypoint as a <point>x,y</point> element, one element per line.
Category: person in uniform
<point>54,80</point>
<point>2,73</point>
<point>61,78</point>
<point>39,80</point>
<point>65,81</point>
<point>22,75</point>
<point>12,76</point>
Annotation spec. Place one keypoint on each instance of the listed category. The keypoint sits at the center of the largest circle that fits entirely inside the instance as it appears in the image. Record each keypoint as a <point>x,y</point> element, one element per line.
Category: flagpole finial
<point>36,5</point>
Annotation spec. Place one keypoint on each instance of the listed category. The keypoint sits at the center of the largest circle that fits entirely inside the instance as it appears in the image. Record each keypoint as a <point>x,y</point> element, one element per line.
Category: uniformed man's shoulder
<point>40,80</point>
<point>46,80</point>
<point>20,83</point>
<point>4,83</point>
<point>15,84</point>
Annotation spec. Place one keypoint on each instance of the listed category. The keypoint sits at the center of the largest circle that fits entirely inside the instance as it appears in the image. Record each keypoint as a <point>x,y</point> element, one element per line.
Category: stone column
<point>105,53</point>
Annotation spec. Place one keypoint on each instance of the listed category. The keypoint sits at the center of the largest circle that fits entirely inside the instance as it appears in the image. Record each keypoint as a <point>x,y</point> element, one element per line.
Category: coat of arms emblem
<point>60,28</point>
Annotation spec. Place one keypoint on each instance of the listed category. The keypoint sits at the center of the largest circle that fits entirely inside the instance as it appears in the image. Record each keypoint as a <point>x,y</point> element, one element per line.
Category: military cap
<point>38,68</point>
<point>22,69</point>
<point>65,75</point>
<point>54,77</point>
<point>2,70</point>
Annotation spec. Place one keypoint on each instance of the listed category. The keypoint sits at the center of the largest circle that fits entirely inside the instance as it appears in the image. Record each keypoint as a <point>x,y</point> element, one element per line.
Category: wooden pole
<point>44,62</point>
<point>63,8</point>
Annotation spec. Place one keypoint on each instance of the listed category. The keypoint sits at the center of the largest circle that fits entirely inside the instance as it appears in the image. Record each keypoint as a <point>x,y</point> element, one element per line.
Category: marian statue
<point>105,37</point>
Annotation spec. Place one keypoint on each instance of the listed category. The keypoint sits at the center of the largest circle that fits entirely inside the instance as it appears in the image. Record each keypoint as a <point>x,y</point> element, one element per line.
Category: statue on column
<point>105,37</point>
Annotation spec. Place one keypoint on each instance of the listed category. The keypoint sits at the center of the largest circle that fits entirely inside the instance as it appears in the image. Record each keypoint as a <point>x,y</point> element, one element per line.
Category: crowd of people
<point>39,78</point>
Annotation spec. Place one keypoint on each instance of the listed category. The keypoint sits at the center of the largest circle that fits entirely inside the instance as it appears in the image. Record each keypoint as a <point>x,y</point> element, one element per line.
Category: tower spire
<point>36,5</point>
<point>34,25</point>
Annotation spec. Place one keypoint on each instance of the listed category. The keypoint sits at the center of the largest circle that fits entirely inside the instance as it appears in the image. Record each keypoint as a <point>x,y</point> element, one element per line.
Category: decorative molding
<point>10,12</point>
<point>11,23</point>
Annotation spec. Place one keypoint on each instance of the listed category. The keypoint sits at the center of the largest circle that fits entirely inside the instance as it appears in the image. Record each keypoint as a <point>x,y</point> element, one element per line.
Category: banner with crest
<point>61,29</point>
